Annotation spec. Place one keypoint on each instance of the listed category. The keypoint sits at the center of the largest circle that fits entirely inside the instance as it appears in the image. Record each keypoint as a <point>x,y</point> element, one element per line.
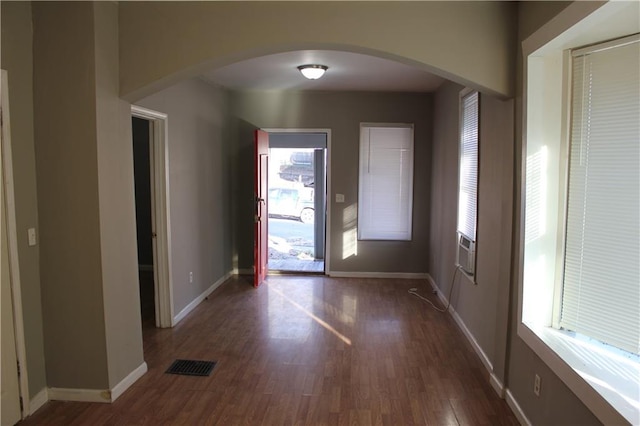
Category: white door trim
<point>160,217</point>
<point>327,247</point>
<point>18,318</point>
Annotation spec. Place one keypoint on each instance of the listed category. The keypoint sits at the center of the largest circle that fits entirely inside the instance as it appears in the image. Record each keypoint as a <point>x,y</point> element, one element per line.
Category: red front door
<point>261,244</point>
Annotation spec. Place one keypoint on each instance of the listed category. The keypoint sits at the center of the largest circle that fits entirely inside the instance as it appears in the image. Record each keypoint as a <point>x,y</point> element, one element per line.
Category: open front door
<point>261,244</point>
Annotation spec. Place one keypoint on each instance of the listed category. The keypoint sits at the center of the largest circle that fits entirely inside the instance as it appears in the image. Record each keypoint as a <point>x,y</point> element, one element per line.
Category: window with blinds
<point>385,197</point>
<point>601,284</point>
<point>468,178</point>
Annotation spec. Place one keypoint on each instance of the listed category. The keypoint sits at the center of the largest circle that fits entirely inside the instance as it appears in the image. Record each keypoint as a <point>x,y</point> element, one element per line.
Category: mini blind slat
<point>386,183</point>
<point>601,285</point>
<point>468,180</point>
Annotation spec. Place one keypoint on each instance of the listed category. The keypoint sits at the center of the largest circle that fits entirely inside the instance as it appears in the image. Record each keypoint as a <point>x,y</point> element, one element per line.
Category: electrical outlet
<point>190,277</point>
<point>536,385</point>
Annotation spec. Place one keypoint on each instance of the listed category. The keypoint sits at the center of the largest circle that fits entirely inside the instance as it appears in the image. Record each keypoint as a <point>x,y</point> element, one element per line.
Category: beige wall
<point>494,245</point>
<point>483,306</point>
<point>199,151</point>
<point>444,181</point>
<point>161,42</point>
<point>533,14</point>
<point>90,300</point>
<point>66,161</point>
<point>119,256</point>
<point>342,113</point>
<point>17,60</point>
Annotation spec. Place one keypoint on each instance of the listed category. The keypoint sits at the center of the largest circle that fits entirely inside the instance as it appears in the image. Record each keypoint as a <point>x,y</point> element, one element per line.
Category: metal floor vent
<point>189,367</point>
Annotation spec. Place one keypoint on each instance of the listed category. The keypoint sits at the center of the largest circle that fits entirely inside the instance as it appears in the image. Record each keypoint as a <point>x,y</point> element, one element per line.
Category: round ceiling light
<point>312,71</point>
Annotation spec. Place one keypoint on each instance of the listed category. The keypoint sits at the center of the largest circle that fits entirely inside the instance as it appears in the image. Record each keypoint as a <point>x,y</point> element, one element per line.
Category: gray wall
<point>90,299</point>
<point>483,306</point>
<point>199,169</point>
<point>66,160</point>
<point>17,60</point>
<point>342,113</point>
<point>444,182</point>
<point>119,266</point>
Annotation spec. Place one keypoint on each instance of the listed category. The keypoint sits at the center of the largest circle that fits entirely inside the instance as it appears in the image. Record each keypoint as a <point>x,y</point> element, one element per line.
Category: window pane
<point>468,179</point>
<point>601,288</point>
<point>386,183</point>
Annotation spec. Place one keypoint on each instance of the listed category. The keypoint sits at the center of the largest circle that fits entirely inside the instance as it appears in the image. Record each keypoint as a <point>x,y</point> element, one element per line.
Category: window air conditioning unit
<point>466,254</point>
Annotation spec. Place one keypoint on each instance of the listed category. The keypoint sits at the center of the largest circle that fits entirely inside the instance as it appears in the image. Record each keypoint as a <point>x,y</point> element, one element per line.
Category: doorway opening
<point>149,130</point>
<point>141,131</point>
<point>297,201</point>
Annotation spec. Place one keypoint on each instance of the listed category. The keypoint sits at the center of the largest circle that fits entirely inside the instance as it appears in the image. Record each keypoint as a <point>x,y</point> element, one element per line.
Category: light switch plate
<point>32,236</point>
<point>339,198</point>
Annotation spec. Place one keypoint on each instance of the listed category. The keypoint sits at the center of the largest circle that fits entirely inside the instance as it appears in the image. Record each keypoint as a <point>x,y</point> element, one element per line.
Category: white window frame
<point>590,370</point>
<point>366,226</point>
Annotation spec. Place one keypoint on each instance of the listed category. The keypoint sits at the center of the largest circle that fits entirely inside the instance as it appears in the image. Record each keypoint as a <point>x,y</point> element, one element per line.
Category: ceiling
<point>347,72</point>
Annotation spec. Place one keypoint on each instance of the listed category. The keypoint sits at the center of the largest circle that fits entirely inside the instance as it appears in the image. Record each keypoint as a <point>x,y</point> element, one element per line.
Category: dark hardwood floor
<point>305,350</point>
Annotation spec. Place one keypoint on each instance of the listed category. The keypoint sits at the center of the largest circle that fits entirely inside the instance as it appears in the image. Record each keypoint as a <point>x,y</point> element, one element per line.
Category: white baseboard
<point>474,343</point>
<point>435,287</point>
<point>79,395</point>
<point>38,401</point>
<point>126,383</point>
<point>347,274</point>
<point>405,275</point>
<point>497,385</point>
<point>195,302</point>
<point>86,395</point>
<point>515,407</point>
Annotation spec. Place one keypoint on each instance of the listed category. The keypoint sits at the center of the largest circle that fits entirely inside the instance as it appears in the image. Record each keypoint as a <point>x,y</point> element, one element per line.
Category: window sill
<point>606,382</point>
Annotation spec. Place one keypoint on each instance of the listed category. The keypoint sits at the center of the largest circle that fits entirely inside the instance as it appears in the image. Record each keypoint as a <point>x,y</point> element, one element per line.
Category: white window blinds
<point>601,287</point>
<point>385,197</point>
<point>468,179</point>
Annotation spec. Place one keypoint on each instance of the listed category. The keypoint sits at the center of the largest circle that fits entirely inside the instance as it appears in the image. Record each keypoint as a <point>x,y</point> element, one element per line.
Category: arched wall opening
<point>162,43</point>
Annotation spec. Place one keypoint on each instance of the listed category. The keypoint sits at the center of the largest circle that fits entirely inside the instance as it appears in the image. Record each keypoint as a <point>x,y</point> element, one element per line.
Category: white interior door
<point>10,390</point>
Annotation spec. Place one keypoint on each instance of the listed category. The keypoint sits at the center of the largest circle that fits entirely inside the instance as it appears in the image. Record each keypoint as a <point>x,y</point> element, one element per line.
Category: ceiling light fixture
<point>312,71</point>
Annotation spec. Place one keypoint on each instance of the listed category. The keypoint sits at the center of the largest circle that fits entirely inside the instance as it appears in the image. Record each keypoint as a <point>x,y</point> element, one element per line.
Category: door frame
<point>261,189</point>
<point>160,213</point>
<point>12,239</point>
<point>327,231</point>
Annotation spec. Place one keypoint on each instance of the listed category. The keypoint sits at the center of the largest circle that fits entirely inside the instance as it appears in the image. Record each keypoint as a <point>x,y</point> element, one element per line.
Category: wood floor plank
<point>305,350</point>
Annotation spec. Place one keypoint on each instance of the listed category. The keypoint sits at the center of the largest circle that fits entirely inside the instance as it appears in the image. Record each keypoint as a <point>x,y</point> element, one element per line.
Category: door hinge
<point>18,367</point>
<point>21,405</point>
